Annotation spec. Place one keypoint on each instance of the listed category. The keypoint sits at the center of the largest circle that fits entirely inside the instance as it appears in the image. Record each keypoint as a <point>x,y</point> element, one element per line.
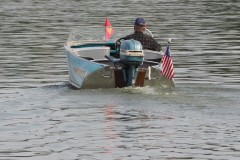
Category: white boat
<point>94,62</point>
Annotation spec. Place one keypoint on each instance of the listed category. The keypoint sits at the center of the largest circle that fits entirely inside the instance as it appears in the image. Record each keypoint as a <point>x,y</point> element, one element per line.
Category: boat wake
<point>58,86</point>
<point>148,90</point>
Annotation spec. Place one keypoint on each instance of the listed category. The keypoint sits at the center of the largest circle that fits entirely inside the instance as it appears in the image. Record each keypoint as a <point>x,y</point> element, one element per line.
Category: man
<point>147,41</point>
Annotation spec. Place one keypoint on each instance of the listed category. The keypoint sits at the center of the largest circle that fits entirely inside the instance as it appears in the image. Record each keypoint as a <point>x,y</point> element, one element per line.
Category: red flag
<point>167,65</point>
<point>109,31</point>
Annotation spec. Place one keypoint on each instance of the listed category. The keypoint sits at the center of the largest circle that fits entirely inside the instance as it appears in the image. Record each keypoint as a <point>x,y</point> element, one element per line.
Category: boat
<point>95,61</point>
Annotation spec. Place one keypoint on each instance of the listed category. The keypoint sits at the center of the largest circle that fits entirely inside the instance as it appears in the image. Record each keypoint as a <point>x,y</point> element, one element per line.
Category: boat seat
<point>150,55</point>
<point>92,53</point>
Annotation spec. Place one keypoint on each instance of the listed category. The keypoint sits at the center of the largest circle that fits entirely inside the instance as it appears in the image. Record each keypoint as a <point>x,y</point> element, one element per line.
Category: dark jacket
<point>147,41</point>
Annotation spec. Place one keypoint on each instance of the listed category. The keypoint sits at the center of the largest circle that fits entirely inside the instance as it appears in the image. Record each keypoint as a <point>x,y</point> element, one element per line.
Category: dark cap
<point>140,22</point>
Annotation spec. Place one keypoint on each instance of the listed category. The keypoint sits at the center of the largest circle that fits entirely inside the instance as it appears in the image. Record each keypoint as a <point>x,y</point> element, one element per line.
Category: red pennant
<point>109,31</point>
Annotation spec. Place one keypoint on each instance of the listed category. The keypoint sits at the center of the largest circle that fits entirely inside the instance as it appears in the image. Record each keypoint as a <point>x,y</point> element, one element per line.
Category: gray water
<point>42,117</point>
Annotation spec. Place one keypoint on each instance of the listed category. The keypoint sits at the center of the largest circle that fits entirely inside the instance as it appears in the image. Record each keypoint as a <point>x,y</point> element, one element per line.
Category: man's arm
<point>156,46</point>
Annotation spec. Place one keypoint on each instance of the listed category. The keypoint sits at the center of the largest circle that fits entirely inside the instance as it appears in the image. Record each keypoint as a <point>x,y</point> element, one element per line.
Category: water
<point>42,117</point>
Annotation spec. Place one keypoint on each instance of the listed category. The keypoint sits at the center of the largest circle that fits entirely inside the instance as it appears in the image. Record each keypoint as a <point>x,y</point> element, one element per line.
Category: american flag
<point>167,65</point>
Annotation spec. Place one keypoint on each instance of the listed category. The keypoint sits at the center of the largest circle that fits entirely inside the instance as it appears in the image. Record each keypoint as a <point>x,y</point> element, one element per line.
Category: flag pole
<point>105,28</point>
<point>169,41</point>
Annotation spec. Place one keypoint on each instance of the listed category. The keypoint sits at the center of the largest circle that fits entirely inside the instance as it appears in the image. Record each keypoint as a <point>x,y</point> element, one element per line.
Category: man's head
<point>140,25</point>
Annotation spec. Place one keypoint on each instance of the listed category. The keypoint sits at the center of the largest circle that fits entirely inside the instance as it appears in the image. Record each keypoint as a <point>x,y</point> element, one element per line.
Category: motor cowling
<point>131,52</point>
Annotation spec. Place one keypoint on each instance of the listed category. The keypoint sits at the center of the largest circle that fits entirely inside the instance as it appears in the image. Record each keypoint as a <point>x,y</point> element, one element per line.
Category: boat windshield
<point>83,34</point>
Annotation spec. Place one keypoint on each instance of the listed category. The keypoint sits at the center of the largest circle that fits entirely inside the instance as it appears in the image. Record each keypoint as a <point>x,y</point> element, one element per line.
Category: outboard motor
<point>131,56</point>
